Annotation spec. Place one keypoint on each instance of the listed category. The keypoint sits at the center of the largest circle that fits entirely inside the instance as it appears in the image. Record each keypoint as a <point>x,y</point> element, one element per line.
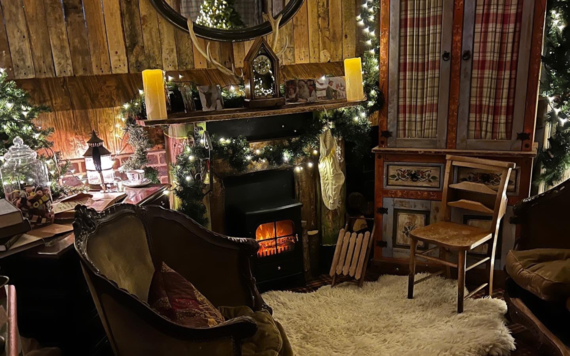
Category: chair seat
<point>452,235</point>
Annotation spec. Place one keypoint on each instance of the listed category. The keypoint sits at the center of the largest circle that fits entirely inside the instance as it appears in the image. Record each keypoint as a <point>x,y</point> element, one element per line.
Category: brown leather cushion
<point>543,272</point>
<point>177,299</point>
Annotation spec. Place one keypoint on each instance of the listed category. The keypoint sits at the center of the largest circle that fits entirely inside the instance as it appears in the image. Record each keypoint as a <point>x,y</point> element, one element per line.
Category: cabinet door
<point>419,69</point>
<point>494,73</point>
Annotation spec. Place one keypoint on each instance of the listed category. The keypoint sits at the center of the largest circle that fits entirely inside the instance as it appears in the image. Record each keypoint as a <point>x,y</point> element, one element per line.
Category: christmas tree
<point>16,119</point>
<point>219,14</point>
<point>555,160</point>
<point>17,115</point>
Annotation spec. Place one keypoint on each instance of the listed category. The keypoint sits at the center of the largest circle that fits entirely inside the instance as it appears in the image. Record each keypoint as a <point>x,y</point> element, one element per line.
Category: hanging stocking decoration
<point>331,174</point>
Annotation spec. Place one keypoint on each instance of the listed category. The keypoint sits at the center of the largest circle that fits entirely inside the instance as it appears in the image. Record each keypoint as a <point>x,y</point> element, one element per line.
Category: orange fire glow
<point>275,238</point>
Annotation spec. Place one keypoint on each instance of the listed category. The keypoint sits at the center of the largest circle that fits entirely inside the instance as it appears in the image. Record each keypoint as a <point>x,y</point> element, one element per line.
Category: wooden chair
<point>460,238</point>
<point>352,252</point>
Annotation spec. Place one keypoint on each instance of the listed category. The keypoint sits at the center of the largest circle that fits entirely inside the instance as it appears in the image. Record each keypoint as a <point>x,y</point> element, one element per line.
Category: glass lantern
<point>98,162</point>
<point>26,183</point>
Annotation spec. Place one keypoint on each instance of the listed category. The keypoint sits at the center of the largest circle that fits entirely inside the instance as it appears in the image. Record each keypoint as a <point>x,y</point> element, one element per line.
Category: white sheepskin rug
<point>379,320</point>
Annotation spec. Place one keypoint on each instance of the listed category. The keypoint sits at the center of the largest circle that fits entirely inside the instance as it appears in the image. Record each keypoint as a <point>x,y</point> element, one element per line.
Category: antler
<point>208,55</point>
<point>275,26</point>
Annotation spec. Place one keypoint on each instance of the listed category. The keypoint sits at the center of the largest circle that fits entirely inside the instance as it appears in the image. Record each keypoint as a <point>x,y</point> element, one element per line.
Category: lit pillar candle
<point>353,77</point>
<point>154,94</point>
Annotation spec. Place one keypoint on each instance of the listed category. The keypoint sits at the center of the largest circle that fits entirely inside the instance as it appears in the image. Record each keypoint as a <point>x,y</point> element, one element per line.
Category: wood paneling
<point>5,58</point>
<point>115,38</point>
<point>97,35</point>
<point>39,38</point>
<point>78,39</point>
<point>61,38</point>
<point>58,38</point>
<point>301,35</point>
<point>134,42</point>
<point>18,39</point>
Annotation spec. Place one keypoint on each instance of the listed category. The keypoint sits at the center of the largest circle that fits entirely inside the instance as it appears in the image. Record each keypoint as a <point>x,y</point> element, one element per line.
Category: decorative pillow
<point>172,296</point>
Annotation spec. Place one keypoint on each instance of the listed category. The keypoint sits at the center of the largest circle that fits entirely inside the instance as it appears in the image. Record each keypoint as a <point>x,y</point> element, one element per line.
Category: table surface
<point>55,246</point>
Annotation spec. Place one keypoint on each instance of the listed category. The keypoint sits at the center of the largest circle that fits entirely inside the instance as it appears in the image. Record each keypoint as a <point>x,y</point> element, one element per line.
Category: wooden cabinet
<point>460,77</point>
<point>491,47</point>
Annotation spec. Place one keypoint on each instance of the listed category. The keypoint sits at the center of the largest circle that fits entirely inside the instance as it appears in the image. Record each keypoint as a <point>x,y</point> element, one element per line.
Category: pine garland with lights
<point>219,14</point>
<point>350,124</point>
<point>555,160</point>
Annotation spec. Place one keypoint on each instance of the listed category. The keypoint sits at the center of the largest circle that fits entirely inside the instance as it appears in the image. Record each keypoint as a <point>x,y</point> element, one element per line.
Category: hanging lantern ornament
<point>98,162</point>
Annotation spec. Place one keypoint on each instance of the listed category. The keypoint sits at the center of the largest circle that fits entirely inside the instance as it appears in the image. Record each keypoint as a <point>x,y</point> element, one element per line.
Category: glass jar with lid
<point>26,183</point>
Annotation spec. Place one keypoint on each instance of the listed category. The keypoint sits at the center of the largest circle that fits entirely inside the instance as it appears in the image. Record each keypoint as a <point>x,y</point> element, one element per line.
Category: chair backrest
<point>118,248</point>
<point>484,192</point>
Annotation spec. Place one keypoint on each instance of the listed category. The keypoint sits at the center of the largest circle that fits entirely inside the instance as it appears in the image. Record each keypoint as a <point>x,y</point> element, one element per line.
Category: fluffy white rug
<point>379,320</point>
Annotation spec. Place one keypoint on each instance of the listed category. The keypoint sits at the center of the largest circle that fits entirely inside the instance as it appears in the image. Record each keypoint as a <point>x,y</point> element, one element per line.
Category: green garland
<point>137,138</point>
<point>555,160</point>
<point>351,124</point>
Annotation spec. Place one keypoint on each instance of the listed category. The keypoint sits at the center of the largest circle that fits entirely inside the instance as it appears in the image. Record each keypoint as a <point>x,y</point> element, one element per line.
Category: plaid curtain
<point>420,45</point>
<point>493,78</point>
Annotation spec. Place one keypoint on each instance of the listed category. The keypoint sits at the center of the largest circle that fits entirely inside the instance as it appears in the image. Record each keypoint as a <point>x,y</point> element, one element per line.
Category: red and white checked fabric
<point>493,77</point>
<point>420,45</point>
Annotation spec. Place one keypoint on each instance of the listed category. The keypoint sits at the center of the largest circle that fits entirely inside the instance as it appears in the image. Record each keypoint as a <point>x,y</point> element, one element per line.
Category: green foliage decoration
<point>219,14</point>
<point>555,160</point>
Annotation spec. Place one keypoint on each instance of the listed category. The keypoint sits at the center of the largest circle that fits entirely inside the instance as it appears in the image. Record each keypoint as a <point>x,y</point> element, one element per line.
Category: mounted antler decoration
<point>275,26</point>
<point>208,55</point>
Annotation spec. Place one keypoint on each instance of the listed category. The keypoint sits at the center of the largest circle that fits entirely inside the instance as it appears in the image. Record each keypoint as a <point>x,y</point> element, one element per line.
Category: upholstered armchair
<point>119,249</point>
<point>538,283</point>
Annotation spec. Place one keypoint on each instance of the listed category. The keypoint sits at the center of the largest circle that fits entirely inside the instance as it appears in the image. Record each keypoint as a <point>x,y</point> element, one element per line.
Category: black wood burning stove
<point>261,205</point>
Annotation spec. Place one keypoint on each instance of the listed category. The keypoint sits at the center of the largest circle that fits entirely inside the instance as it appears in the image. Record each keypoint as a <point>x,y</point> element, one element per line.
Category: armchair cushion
<point>270,338</point>
<point>172,296</point>
<point>543,272</point>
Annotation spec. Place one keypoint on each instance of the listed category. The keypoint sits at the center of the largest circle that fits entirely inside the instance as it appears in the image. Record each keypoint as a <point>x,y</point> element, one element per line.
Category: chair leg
<point>412,274</point>
<point>461,280</point>
<point>491,264</point>
<point>443,256</point>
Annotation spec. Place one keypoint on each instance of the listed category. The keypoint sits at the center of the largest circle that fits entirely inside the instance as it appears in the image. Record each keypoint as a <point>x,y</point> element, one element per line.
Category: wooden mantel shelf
<point>246,113</point>
<point>444,151</point>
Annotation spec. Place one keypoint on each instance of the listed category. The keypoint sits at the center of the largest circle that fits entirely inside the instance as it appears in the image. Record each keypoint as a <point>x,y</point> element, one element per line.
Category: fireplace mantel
<point>246,113</point>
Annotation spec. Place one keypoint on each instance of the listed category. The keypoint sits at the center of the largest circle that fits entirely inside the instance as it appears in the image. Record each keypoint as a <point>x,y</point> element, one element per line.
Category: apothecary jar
<point>26,183</point>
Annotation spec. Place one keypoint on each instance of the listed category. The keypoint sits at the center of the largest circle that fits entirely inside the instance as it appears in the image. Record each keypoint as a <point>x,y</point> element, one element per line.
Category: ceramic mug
<point>135,176</point>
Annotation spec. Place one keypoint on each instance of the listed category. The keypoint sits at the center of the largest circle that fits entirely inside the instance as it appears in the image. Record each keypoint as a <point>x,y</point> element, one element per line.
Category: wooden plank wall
<point>61,38</point>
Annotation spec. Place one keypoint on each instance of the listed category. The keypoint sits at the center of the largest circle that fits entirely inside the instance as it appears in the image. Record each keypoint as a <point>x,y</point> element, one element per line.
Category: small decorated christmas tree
<point>17,116</point>
<point>219,14</point>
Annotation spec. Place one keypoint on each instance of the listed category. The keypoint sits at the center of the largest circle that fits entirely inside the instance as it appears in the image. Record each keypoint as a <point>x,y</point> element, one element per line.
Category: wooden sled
<point>352,253</point>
